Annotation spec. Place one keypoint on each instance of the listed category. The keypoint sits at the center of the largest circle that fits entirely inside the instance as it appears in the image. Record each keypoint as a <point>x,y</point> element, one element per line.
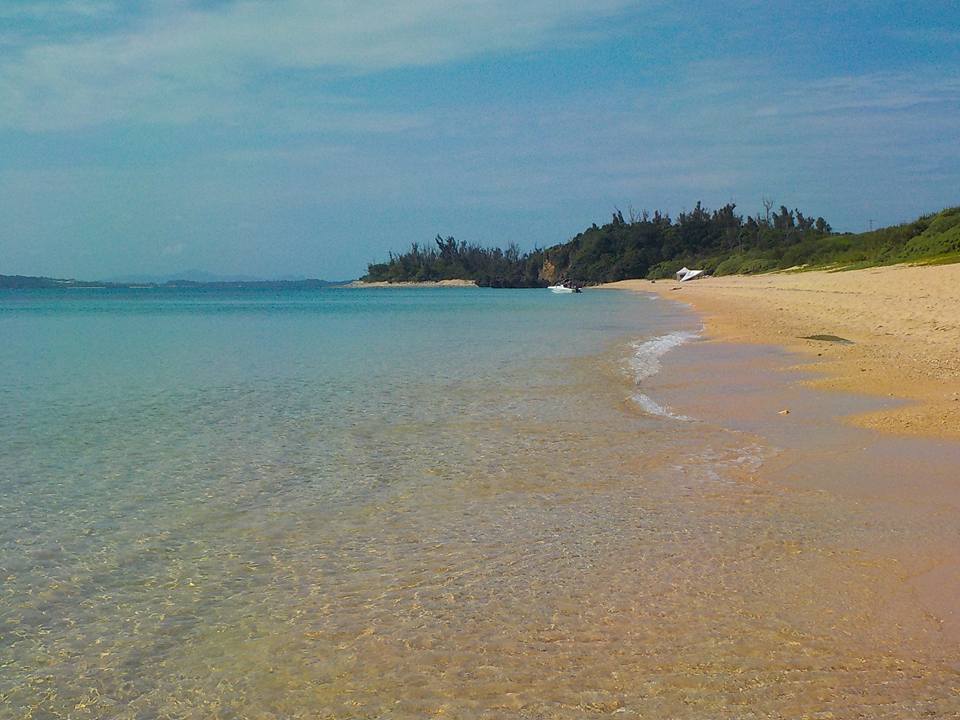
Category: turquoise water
<point>417,503</point>
<point>179,466</point>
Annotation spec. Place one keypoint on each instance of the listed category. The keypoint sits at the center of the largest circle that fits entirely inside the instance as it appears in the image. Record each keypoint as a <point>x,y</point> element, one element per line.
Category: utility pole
<point>871,224</point>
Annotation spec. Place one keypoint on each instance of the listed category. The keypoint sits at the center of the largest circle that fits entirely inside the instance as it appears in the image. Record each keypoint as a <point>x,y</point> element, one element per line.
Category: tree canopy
<point>653,245</point>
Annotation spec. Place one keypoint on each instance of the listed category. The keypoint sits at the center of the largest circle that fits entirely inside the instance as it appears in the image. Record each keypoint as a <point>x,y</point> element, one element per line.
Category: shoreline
<point>489,527</point>
<point>832,435</point>
<point>889,332</point>
<point>866,479</point>
<point>411,284</point>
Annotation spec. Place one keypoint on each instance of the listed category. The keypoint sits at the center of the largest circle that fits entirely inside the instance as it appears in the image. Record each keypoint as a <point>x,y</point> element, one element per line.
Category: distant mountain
<point>22,282</point>
<point>305,284</point>
<point>200,276</point>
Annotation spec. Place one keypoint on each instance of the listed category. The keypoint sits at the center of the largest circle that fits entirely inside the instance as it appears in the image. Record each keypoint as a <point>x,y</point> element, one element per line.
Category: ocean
<point>393,503</point>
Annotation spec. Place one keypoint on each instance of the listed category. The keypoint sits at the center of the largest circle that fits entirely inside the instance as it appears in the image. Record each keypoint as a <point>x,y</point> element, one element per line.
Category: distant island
<point>654,245</point>
<point>28,282</point>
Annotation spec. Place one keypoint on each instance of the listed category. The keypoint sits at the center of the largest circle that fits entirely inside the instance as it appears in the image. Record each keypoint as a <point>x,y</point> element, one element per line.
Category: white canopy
<point>685,273</point>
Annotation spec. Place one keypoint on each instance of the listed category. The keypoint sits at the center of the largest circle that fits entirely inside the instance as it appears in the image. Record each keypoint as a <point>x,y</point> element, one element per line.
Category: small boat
<point>565,286</point>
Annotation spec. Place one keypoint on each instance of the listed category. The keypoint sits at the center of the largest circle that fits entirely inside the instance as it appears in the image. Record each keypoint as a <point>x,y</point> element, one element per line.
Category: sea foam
<point>645,362</point>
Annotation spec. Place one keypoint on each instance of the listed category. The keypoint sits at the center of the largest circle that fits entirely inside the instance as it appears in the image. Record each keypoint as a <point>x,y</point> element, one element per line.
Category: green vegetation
<point>932,238</point>
<point>721,242</point>
<point>449,260</point>
<point>718,241</point>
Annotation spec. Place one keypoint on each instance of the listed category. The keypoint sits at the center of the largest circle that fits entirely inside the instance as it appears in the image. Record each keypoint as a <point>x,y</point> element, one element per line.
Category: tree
<point>767,206</point>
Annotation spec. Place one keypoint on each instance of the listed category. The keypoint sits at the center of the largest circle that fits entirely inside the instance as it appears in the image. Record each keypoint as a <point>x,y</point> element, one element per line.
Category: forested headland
<point>654,245</point>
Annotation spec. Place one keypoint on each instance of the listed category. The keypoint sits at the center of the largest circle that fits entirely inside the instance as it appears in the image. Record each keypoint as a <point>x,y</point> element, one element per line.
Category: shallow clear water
<point>401,503</point>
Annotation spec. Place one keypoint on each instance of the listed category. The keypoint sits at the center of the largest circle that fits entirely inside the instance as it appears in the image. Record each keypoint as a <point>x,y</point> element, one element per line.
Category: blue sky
<point>309,137</point>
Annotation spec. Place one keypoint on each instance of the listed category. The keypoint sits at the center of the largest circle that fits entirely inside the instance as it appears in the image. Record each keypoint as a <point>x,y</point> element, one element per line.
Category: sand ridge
<point>903,321</point>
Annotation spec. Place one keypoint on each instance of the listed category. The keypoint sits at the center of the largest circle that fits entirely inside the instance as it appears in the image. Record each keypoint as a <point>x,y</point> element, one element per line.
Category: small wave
<point>652,407</point>
<point>647,353</point>
<point>645,363</point>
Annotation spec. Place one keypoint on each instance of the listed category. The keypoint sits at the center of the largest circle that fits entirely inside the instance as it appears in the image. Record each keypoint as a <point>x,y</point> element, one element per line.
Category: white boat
<point>560,289</point>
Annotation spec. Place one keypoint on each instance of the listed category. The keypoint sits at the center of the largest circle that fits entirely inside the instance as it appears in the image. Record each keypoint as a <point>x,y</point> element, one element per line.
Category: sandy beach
<point>429,284</point>
<point>902,324</point>
<point>888,336</point>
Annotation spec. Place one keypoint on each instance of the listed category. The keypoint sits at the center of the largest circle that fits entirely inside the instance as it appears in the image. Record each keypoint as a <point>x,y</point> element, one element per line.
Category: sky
<point>310,137</point>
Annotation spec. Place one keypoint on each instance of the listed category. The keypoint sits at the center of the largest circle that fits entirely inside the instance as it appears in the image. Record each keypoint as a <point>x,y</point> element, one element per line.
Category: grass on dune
<point>930,240</point>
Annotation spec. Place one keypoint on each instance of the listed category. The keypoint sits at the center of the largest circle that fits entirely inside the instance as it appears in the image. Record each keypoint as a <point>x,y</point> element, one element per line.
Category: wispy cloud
<point>881,91</point>
<point>713,131</point>
<point>342,129</point>
<point>732,129</point>
<point>179,63</point>
<point>55,10</point>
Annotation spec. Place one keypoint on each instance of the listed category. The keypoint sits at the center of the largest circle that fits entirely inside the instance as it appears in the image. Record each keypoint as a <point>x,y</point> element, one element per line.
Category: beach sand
<point>430,284</point>
<point>888,361</point>
<point>903,323</point>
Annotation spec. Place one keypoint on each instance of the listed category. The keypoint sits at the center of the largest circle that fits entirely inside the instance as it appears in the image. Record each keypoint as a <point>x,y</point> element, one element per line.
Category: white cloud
<point>183,64</point>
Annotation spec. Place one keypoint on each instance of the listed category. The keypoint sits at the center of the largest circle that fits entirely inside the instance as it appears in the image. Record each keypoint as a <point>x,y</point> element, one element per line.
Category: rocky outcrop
<point>548,272</point>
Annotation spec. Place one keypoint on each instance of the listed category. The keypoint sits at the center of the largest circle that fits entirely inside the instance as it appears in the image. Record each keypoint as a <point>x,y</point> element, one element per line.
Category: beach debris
<point>828,338</point>
<point>784,412</point>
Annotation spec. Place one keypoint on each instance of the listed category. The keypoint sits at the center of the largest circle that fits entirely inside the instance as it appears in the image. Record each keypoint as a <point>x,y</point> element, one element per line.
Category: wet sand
<point>901,494</point>
<point>883,447</point>
<point>903,323</point>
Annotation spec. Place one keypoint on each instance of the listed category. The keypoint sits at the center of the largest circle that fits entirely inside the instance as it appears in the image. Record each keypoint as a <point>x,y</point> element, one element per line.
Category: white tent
<point>685,273</point>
